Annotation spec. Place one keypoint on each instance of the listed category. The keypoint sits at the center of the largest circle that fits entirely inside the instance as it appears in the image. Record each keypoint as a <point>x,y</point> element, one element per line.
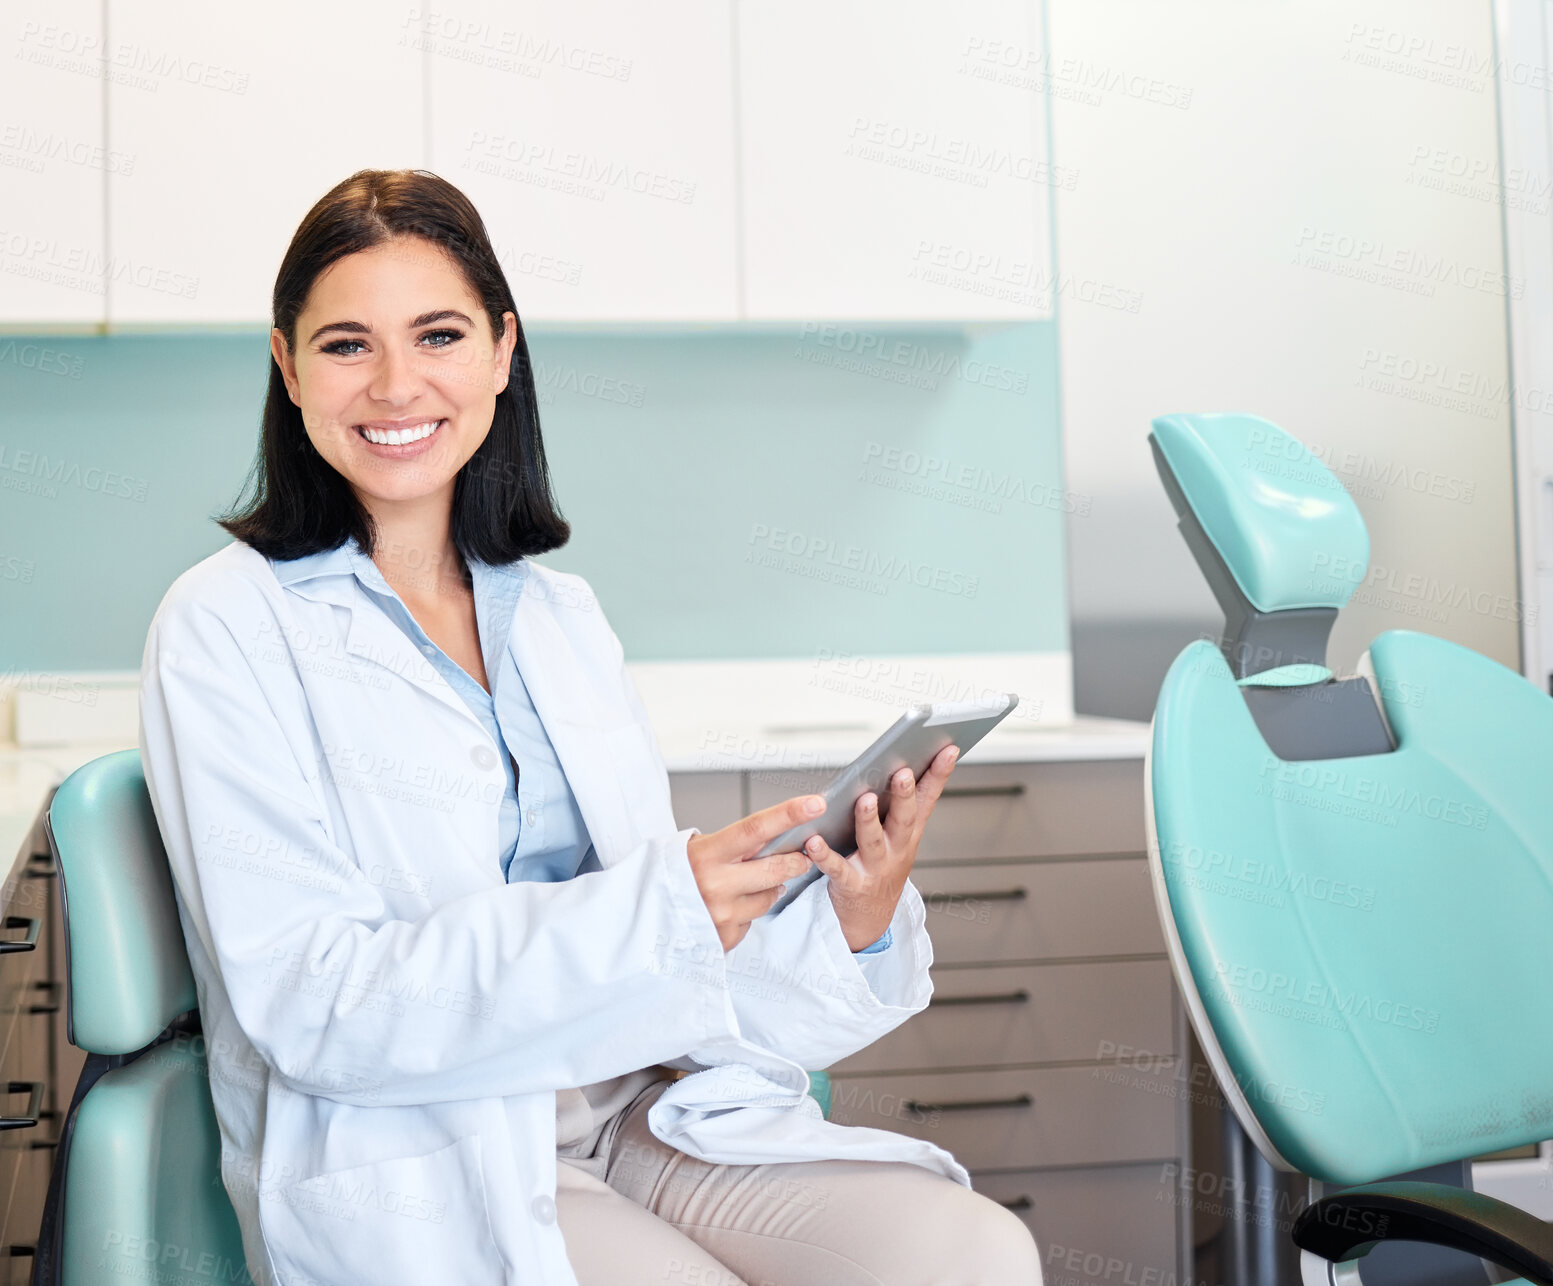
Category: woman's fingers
<point>747,836</point>
<point>902,816</point>
<point>830,862</point>
<point>762,873</point>
<point>871,844</point>
<point>934,780</point>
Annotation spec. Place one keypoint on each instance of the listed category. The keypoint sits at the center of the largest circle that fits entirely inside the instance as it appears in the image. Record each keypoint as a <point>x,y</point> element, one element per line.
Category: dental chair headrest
<point>1279,539</point>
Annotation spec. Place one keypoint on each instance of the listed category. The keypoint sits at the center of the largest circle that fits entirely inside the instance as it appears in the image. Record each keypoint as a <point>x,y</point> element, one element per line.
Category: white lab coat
<point>383,1013</point>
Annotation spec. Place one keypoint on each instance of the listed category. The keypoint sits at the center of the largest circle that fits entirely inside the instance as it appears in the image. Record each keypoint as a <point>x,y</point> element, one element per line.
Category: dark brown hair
<point>502,506</point>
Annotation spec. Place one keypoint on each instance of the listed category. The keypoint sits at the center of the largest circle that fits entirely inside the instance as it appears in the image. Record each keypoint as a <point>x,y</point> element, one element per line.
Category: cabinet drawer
<point>1009,1120</point>
<point>25,1217</point>
<point>1013,810</point>
<point>707,800</point>
<point>989,1017</point>
<point>985,912</point>
<point>1094,1227</point>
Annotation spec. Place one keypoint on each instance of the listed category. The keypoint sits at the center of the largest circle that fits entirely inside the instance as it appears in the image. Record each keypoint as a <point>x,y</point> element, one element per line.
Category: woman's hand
<point>865,887</point>
<point>737,891</point>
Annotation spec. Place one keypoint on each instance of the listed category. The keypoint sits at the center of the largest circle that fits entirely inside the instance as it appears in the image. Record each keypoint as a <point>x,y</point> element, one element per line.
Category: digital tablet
<point>912,741</point>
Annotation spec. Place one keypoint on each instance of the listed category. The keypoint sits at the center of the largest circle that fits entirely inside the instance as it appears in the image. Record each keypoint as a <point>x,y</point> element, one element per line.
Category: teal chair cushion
<point>1289,533</point>
<point>820,1091</point>
<point>129,970</point>
<point>1343,921</point>
<point>143,1190</point>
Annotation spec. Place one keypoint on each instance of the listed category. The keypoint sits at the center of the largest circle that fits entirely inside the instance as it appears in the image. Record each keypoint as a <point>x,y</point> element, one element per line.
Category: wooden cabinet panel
<point>989,1017</point>
<point>1095,1227</point>
<point>987,912</point>
<point>1022,1119</point>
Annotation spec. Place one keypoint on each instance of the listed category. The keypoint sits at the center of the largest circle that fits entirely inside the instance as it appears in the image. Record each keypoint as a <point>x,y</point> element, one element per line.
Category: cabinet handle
<point>973,792</point>
<point>993,895</point>
<point>34,1092</point>
<point>987,998</point>
<point>1018,1203</point>
<point>55,990</point>
<point>51,1115</point>
<point>28,940</point>
<point>969,1104</point>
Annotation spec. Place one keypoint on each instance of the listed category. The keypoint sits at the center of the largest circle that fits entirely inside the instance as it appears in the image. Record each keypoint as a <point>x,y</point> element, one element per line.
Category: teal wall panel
<point>733,491</point>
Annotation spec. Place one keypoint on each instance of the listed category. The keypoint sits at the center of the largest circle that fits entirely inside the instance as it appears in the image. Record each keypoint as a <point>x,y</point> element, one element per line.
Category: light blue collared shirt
<point>541,831</point>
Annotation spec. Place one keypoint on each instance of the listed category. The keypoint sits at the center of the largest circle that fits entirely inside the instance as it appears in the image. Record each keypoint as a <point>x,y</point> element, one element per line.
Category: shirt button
<point>483,756</point>
<point>543,1207</point>
<point>529,817</point>
<point>429,648</point>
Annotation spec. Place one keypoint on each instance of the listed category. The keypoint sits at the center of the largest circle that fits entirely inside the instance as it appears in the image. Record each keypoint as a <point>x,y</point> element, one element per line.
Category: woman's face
<point>393,345</point>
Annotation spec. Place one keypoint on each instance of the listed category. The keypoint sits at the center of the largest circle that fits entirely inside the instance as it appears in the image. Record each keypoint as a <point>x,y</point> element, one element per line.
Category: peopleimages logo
<point>1397,797</point>
<point>1240,982</point>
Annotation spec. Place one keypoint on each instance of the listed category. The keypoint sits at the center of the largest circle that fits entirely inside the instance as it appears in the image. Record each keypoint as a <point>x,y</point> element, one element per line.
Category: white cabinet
<point>894,159</point>
<point>52,161</point>
<point>596,139</point>
<point>746,160</point>
<point>239,118</point>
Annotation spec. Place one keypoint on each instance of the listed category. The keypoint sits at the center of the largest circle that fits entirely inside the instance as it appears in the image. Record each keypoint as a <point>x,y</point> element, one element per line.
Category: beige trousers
<point>661,1216</point>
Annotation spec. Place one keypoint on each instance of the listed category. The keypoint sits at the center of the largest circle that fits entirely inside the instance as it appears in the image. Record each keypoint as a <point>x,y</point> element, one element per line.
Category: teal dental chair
<point>136,1190</point>
<point>1355,877</point>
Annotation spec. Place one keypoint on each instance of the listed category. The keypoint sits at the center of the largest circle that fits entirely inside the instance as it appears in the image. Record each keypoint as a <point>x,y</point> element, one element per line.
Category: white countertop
<point>775,747</point>
<point>28,774</point>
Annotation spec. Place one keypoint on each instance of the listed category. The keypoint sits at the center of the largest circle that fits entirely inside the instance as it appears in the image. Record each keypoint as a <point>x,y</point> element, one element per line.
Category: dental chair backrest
<point>1355,874</point>
<point>136,1186</point>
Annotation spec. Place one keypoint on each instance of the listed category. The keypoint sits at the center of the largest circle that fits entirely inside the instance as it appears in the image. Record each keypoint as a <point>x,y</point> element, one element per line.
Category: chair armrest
<point>1353,1220</point>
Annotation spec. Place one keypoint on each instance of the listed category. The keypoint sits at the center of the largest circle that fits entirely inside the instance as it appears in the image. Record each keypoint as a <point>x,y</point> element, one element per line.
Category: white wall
<point>1237,222</point>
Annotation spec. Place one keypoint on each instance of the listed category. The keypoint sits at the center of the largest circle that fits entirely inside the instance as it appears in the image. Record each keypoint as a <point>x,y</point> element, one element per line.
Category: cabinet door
<point>239,118</point>
<point>894,160</point>
<point>54,161</point>
<point>595,137</point>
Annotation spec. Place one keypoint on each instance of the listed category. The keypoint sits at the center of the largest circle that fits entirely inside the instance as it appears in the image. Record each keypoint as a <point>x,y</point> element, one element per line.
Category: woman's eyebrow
<point>425,319</point>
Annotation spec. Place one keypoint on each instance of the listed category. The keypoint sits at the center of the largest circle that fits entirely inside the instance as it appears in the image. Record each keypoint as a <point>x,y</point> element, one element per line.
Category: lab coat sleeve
<point>798,988</point>
<point>523,987</point>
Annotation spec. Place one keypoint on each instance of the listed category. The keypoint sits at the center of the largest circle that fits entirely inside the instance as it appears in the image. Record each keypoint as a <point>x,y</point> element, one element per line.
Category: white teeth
<point>397,437</point>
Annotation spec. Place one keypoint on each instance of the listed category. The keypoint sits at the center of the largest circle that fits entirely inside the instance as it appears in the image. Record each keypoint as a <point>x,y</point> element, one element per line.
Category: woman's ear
<point>281,352</point>
<point>504,347</point>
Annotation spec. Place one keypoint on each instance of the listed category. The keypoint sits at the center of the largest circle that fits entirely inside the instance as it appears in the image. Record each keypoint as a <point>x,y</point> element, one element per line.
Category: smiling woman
<point>444,1018</point>
<point>388,318</point>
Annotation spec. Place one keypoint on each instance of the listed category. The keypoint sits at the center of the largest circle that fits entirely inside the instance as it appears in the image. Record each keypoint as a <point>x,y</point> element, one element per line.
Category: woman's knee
<point>950,1235</point>
<point>998,1248</point>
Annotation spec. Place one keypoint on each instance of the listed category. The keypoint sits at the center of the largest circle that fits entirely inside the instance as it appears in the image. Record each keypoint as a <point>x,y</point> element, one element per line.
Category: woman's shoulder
<point>235,585</point>
<point>571,603</point>
<point>556,588</point>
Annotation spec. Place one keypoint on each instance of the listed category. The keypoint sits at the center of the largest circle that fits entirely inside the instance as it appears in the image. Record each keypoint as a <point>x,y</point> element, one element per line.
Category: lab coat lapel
<point>371,636</point>
<point>565,693</point>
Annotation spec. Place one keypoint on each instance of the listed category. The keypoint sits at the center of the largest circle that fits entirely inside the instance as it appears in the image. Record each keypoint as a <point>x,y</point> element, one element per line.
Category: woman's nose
<point>395,377</point>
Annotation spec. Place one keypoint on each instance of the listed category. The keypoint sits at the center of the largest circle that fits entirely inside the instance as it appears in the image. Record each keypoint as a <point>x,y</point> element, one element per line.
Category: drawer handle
<point>1018,1203</point>
<point>55,990</point>
<point>994,895</point>
<point>969,1104</point>
<point>40,866</point>
<point>976,792</point>
<point>34,1092</point>
<point>47,1114</point>
<point>28,940</point>
<point>987,998</point>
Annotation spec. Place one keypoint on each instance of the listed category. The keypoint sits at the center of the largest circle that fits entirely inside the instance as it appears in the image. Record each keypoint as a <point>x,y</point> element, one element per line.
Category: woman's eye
<point>446,336</point>
<point>338,347</point>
